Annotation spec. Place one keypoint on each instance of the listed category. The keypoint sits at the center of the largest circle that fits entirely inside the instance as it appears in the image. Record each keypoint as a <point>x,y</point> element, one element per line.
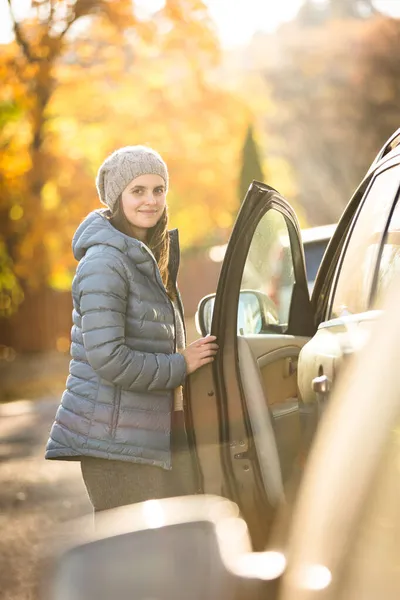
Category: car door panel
<point>275,358</point>
<point>237,435</point>
<point>203,430</point>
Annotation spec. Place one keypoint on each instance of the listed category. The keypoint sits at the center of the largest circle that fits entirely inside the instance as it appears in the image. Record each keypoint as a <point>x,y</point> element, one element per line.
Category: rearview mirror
<point>256,313</point>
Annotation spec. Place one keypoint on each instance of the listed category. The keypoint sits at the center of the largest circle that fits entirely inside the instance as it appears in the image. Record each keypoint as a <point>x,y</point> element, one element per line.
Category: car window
<point>356,267</point>
<point>313,253</point>
<point>268,278</point>
<point>389,263</point>
<point>372,566</point>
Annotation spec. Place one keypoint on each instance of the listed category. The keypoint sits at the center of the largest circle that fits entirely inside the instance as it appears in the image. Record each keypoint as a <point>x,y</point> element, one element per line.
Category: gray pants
<point>113,483</point>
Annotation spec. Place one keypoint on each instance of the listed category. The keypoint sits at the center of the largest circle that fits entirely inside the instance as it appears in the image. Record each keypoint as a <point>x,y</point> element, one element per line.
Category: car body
<point>343,541</point>
<point>252,414</point>
<point>348,544</point>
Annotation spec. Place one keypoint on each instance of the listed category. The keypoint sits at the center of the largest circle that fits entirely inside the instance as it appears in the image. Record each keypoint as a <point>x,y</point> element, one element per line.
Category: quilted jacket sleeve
<point>103,291</point>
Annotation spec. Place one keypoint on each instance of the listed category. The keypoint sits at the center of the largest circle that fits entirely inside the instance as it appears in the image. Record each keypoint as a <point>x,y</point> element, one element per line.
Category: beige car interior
<point>268,371</point>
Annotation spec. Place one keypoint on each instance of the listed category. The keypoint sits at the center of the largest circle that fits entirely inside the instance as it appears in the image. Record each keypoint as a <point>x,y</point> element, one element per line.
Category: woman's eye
<point>159,191</point>
<point>138,192</point>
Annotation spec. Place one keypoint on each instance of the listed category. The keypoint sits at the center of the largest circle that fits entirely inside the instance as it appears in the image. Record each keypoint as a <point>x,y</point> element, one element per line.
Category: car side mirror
<point>256,313</point>
<point>194,547</point>
<point>204,314</point>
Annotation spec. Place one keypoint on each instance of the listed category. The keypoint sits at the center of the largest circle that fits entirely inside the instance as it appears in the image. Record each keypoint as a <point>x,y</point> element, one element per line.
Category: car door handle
<point>290,367</point>
<point>321,384</point>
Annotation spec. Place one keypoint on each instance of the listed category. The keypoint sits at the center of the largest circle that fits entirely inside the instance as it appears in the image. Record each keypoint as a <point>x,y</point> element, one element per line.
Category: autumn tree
<point>337,90</point>
<point>348,9</point>
<point>251,164</point>
<point>316,13</point>
<point>83,77</point>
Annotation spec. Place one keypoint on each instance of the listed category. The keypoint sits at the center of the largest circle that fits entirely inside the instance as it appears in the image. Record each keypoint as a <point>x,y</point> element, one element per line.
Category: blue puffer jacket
<point>124,368</point>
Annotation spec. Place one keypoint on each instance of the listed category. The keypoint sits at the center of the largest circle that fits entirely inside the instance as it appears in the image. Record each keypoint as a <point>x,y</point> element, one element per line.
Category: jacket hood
<point>96,230</point>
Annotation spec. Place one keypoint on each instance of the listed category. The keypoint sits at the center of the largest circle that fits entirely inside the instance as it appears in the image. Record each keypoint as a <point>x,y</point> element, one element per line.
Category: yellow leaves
<point>193,217</point>
<point>50,197</point>
<point>11,294</point>
<point>223,219</point>
<point>207,177</point>
<point>120,13</point>
<point>121,80</point>
<point>16,212</point>
<point>63,344</point>
<point>60,279</point>
<point>14,157</point>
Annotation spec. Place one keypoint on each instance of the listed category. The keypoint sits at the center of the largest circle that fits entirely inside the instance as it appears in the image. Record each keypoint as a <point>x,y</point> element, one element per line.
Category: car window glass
<point>268,278</point>
<point>353,286</point>
<point>389,264</point>
<point>313,253</point>
<point>372,565</point>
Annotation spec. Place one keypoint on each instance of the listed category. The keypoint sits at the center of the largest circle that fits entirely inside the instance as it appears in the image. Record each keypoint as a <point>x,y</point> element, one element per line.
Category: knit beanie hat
<point>123,165</point>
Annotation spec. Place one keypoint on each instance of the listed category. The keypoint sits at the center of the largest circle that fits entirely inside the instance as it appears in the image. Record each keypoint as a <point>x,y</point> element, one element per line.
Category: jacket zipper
<point>114,420</point>
<point>162,286</point>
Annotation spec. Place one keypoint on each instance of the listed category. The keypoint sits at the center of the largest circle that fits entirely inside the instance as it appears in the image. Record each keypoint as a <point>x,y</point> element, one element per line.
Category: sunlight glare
<point>262,565</point>
<point>315,577</point>
<point>154,514</point>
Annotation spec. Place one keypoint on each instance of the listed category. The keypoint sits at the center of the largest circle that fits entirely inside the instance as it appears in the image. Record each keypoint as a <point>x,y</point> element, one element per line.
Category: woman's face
<point>143,202</point>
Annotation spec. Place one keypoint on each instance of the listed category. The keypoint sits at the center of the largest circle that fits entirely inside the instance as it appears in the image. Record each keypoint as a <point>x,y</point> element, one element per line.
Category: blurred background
<point>300,94</point>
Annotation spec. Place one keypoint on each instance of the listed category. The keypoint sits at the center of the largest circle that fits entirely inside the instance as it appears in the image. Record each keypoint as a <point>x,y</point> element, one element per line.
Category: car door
<point>348,308</point>
<point>243,413</point>
<point>348,545</point>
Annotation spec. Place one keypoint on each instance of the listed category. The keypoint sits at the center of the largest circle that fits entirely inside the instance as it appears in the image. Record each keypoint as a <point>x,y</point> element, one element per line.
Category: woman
<point>128,358</point>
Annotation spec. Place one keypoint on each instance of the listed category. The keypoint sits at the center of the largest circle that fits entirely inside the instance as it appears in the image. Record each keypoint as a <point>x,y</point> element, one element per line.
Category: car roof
<point>317,234</point>
<point>389,150</point>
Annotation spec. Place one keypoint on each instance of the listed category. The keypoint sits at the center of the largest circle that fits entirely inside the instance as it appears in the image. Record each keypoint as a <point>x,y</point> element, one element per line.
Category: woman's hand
<point>200,353</point>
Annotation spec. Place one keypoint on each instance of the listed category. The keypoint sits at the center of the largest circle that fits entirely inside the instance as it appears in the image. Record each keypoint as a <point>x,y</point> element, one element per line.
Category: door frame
<point>325,282</point>
<point>237,453</point>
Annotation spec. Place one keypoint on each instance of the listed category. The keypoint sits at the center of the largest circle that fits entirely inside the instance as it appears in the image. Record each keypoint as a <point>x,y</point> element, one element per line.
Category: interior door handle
<point>321,385</point>
<point>290,366</point>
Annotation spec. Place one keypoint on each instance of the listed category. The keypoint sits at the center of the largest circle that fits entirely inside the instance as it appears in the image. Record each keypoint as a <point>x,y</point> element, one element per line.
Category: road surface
<point>35,495</point>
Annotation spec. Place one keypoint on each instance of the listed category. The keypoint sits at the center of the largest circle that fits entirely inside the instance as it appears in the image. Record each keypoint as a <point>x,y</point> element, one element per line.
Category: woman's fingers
<point>201,352</point>
<point>206,360</point>
<point>207,349</point>
<point>204,341</point>
<point>206,353</point>
<point>211,346</point>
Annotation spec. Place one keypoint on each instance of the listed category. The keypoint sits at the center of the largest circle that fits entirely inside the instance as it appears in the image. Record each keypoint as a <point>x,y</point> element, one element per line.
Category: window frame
<point>294,246</point>
<point>374,285</point>
<point>348,235</point>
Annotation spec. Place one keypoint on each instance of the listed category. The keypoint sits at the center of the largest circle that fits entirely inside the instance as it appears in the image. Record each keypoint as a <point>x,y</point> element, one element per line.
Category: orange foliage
<point>117,79</point>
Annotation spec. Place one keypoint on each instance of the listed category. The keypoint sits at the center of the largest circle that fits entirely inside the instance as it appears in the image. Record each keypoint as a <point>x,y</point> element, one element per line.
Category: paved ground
<point>35,495</point>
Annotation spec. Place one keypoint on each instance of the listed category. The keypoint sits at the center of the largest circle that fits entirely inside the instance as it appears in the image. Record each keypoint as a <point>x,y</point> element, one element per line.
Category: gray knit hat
<point>122,166</point>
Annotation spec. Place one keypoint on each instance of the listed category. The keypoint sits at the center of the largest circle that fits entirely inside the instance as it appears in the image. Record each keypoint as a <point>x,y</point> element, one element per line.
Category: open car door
<point>243,415</point>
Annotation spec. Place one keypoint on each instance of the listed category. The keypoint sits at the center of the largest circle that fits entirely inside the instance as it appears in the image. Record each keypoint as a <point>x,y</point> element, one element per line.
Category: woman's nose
<point>151,199</point>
